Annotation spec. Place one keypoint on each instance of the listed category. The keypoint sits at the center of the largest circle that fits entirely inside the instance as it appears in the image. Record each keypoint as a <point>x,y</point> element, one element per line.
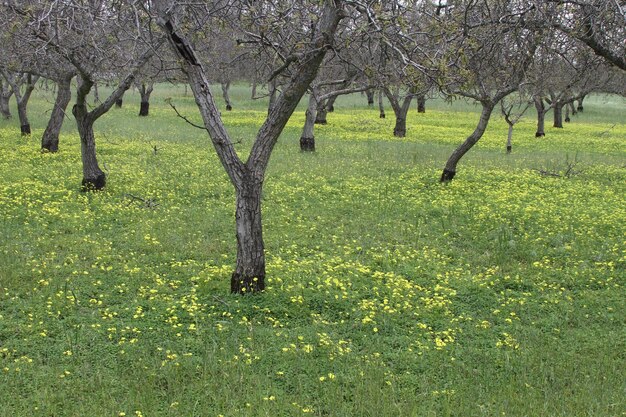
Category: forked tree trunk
<point>558,114</point>
<point>307,140</point>
<point>144,92</point>
<point>381,104</point>
<point>249,274</point>
<point>225,88</point>
<point>370,98</point>
<point>541,116</point>
<point>50,138</point>
<point>450,170</point>
<point>93,177</point>
<point>400,110</point>
<point>22,103</point>
<point>421,103</point>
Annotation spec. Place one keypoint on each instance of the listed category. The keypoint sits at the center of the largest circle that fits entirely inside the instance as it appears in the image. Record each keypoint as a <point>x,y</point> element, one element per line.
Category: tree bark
<point>5,94</point>
<point>307,140</point>
<point>421,103</point>
<point>249,274</point>
<point>94,178</point>
<point>381,106</point>
<point>400,110</point>
<point>450,169</point>
<point>580,107</point>
<point>50,138</point>
<point>370,98</point>
<point>119,102</point>
<point>144,92</point>
<point>253,94</point>
<point>541,116</point>
<point>321,112</point>
<point>567,119</point>
<point>330,104</point>
<point>509,139</point>
<point>558,114</point>
<point>225,88</point>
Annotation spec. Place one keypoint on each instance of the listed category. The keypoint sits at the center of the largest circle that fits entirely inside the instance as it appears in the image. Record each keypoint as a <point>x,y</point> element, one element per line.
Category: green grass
<point>389,294</point>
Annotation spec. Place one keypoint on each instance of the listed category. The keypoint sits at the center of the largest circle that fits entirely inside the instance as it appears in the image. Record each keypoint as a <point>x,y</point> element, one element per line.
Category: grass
<point>389,295</point>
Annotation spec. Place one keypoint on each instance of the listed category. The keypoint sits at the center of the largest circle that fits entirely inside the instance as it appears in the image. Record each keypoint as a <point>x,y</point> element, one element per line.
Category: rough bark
<point>144,91</point>
<point>225,88</point>
<point>50,138</point>
<point>307,140</point>
<point>330,104</point>
<point>381,104</point>
<point>558,114</point>
<point>541,116</point>
<point>370,98</point>
<point>421,103</point>
<point>580,107</point>
<point>119,102</point>
<point>321,112</point>
<point>247,178</point>
<point>400,110</point>
<point>5,94</point>
<point>249,273</point>
<point>450,169</point>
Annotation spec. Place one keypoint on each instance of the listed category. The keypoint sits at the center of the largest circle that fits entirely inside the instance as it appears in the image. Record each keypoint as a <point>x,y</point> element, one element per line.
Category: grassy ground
<point>389,294</point>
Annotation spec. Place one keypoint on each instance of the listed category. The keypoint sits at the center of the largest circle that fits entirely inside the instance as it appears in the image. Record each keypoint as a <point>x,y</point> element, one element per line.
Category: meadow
<point>500,294</point>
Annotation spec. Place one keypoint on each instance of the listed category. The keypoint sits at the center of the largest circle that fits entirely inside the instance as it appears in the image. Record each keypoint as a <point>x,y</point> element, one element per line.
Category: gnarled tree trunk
<point>321,112</point>
<point>330,104</point>
<point>400,110</point>
<point>249,273</point>
<point>450,170</point>
<point>381,104</point>
<point>370,98</point>
<point>50,138</point>
<point>558,114</point>
<point>421,103</point>
<point>541,116</point>
<point>580,107</point>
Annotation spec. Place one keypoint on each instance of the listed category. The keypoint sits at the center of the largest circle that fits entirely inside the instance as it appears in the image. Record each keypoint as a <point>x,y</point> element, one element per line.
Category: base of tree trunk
<point>321,122</point>
<point>307,144</point>
<point>94,184</point>
<point>567,120</point>
<point>240,284</point>
<point>50,147</point>
<point>382,115</point>
<point>447,175</point>
<point>370,103</point>
<point>118,103</point>
<point>580,108</point>
<point>399,133</point>
<point>229,107</point>
<point>509,149</point>
<point>539,134</point>
<point>331,109</point>
<point>25,129</point>
<point>144,108</point>
<point>558,126</point>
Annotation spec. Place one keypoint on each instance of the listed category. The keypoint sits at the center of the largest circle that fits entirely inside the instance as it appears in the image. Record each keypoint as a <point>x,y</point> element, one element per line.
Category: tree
<point>310,33</point>
<point>16,81</point>
<point>5,95</point>
<point>100,41</point>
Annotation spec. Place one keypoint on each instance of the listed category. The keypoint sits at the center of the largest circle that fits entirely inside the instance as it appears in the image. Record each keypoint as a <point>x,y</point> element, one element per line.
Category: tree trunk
<point>94,178</point>
<point>5,94</point>
<point>580,107</point>
<point>144,92</point>
<point>573,108</point>
<point>400,111</point>
<point>330,104</point>
<point>22,103</point>
<point>381,106</point>
<point>370,98</point>
<point>541,116</point>
<point>509,139</point>
<point>96,94</point>
<point>249,274</point>
<point>558,114</point>
<point>253,94</point>
<point>450,170</point>
<point>50,138</point>
<point>225,88</point>
<point>307,140</point>
<point>273,93</point>
<point>567,119</point>
<point>321,112</point>
<point>421,103</point>
<point>399,129</point>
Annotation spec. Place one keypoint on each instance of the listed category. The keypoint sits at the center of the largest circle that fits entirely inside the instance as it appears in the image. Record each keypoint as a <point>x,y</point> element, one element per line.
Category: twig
<point>169,101</point>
